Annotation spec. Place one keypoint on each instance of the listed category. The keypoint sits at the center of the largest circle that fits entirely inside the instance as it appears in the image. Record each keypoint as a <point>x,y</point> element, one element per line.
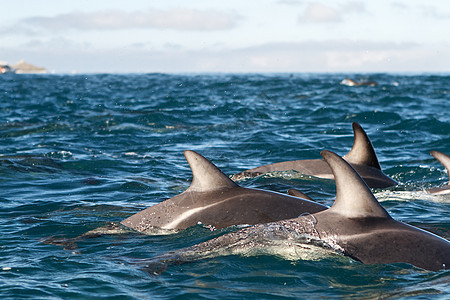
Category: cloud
<point>290,2</point>
<point>439,13</point>
<point>433,12</point>
<point>320,13</point>
<point>399,5</point>
<point>353,6</point>
<point>322,56</point>
<point>325,56</point>
<point>310,56</point>
<point>176,19</point>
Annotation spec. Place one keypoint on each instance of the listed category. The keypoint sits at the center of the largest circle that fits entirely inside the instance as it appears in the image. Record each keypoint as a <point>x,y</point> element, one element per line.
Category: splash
<point>408,196</point>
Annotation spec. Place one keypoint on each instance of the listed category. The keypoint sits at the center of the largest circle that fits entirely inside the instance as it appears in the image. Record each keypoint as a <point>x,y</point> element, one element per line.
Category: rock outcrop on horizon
<point>22,67</point>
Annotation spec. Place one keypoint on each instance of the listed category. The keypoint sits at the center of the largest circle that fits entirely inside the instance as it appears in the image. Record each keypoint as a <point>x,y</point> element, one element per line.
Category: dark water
<point>81,151</point>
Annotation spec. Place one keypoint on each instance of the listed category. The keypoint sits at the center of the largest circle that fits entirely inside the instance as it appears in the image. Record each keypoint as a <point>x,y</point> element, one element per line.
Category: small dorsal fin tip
<point>362,151</point>
<point>299,194</point>
<point>206,176</point>
<point>444,159</point>
<point>356,125</point>
<point>354,199</point>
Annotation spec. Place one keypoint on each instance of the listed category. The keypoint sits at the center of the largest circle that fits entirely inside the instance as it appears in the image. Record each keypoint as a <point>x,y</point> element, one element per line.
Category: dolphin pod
<point>356,225</point>
<point>362,157</point>
<point>214,199</point>
<point>445,161</point>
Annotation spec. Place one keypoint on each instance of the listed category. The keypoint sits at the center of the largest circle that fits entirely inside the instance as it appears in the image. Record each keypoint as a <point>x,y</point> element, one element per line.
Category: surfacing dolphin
<point>212,199</point>
<point>445,161</point>
<point>362,157</point>
<point>351,82</point>
<point>356,225</point>
<point>216,200</point>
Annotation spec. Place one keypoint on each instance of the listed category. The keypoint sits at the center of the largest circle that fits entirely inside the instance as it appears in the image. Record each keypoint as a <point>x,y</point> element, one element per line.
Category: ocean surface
<point>81,151</point>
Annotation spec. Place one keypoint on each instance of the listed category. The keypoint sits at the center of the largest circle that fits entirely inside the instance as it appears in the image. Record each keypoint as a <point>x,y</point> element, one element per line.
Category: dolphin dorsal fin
<point>354,198</point>
<point>298,194</point>
<point>443,159</point>
<point>206,176</point>
<point>362,151</point>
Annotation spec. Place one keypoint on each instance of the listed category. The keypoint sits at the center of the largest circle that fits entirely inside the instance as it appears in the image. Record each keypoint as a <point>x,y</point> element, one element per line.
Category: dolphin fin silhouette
<point>206,176</point>
<point>362,157</point>
<point>354,199</point>
<point>362,151</point>
<point>297,193</point>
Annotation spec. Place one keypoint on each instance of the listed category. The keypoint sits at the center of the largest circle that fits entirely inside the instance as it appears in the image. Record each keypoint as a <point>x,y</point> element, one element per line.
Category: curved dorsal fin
<point>298,194</point>
<point>353,197</point>
<point>206,176</point>
<point>443,159</point>
<point>362,151</point>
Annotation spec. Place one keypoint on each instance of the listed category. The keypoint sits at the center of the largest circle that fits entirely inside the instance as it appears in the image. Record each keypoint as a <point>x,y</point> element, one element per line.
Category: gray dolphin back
<point>362,157</point>
<point>368,233</point>
<point>214,199</point>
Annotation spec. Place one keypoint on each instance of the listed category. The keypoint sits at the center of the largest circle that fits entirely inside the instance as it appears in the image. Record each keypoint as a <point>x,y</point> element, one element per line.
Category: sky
<point>176,36</point>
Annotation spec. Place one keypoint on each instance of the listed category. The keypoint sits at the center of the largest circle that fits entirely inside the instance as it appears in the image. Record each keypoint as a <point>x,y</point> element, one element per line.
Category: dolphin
<point>351,82</point>
<point>299,194</point>
<point>362,157</point>
<point>214,199</point>
<point>356,225</point>
<point>30,163</point>
<point>445,161</point>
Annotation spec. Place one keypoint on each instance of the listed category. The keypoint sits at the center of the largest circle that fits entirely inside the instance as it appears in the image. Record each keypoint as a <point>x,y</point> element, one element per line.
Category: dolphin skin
<point>216,200</point>
<point>445,161</point>
<point>356,225</point>
<point>297,193</point>
<point>351,82</point>
<point>362,157</point>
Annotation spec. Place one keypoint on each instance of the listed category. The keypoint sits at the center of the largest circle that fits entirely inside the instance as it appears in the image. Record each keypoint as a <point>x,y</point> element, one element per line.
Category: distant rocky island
<point>22,67</point>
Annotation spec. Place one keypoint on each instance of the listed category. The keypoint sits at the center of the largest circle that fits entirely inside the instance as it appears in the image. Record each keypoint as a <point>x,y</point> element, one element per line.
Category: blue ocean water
<point>81,151</point>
